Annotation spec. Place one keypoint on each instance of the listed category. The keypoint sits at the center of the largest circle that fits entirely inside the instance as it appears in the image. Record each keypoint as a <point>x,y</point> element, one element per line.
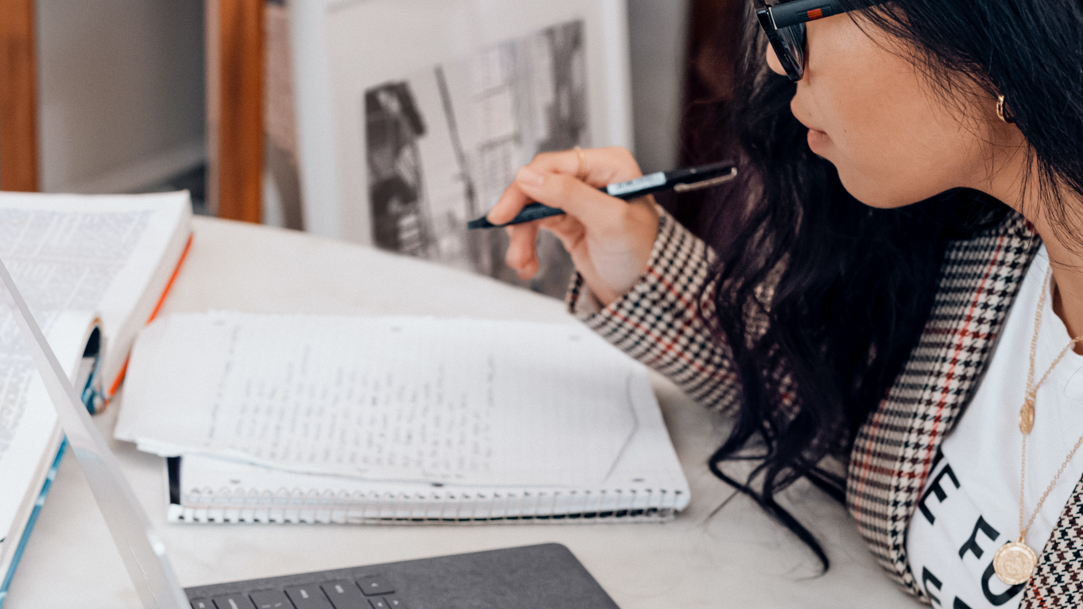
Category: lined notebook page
<point>395,399</point>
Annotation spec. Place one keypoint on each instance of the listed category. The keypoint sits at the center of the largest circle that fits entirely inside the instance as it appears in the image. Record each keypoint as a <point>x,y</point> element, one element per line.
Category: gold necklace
<point>1014,563</point>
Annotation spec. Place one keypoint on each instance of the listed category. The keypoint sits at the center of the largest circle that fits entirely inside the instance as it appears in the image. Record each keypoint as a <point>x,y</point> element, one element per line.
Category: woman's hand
<point>610,241</point>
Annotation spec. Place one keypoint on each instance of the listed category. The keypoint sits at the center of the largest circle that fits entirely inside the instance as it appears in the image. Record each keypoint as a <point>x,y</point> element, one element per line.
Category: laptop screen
<point>143,553</point>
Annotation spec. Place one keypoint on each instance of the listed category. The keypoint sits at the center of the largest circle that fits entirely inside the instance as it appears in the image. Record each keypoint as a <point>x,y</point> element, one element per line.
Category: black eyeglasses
<point>784,25</point>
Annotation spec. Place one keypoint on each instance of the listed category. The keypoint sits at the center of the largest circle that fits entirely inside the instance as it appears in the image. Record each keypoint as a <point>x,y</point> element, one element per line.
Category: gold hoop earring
<point>1003,113</point>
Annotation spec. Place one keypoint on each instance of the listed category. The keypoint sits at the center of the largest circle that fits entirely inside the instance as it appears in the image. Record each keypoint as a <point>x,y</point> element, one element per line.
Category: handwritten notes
<point>408,399</point>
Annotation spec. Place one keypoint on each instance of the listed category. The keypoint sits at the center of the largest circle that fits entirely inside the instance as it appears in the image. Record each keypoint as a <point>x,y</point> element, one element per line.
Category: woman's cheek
<point>868,172</point>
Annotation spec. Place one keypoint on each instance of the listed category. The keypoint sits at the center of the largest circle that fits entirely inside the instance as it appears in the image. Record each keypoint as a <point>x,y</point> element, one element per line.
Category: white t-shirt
<point>970,504</point>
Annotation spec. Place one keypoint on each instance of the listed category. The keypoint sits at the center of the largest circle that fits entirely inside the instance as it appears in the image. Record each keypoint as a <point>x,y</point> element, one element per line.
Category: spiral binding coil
<point>439,506</point>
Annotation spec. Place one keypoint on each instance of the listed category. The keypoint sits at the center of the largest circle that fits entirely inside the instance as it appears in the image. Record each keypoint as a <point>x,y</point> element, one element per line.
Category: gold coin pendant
<point>1014,563</point>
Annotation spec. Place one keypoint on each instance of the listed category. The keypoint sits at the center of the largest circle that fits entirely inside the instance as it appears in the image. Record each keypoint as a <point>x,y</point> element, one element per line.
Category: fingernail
<point>528,177</point>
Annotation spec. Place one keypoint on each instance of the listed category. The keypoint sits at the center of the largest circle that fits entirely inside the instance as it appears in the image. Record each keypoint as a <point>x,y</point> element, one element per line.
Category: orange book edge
<point>158,307</point>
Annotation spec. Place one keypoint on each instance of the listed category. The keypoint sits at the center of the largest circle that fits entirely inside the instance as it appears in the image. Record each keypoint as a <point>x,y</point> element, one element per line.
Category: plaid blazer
<point>660,323</point>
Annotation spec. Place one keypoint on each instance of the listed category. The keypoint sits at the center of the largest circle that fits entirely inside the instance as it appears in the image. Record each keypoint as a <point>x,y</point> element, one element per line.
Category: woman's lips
<point>818,140</point>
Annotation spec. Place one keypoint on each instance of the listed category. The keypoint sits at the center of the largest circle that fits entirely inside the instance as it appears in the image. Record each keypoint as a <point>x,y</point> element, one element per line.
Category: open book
<point>94,270</point>
<point>372,419</point>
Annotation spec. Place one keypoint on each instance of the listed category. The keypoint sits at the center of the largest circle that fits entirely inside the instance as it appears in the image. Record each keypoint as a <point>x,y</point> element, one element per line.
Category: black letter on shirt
<point>972,543</point>
<point>936,489</point>
<point>928,578</point>
<point>959,604</point>
<point>998,599</point>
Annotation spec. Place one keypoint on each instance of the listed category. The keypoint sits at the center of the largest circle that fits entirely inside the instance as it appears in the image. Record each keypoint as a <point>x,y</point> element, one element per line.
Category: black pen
<point>679,180</point>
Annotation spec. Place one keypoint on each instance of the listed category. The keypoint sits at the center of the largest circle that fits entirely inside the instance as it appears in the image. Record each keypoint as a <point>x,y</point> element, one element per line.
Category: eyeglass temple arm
<point>802,11</point>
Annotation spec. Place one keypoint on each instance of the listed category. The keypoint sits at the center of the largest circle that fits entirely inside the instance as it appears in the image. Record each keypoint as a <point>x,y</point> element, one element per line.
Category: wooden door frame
<point>18,97</point>
<point>236,112</point>
<point>239,112</point>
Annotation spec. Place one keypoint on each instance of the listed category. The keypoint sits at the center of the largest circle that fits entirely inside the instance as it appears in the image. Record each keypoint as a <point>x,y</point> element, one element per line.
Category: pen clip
<point>681,188</point>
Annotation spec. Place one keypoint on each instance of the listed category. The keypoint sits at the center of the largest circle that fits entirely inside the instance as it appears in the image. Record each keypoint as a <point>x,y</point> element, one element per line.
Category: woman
<point>910,252</point>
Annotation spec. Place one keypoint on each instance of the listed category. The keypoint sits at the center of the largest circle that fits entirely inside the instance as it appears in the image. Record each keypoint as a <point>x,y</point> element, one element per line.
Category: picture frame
<point>410,70</point>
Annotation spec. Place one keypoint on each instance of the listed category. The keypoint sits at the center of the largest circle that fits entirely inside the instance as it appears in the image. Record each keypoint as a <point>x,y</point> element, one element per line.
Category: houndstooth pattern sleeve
<point>1058,582</point>
<point>663,321</point>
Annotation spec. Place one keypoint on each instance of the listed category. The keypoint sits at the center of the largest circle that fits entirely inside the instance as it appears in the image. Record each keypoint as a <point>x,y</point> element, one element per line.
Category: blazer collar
<point>894,450</point>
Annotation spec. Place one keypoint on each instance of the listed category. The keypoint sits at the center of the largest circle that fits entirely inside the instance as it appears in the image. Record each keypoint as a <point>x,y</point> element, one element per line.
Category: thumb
<point>590,205</point>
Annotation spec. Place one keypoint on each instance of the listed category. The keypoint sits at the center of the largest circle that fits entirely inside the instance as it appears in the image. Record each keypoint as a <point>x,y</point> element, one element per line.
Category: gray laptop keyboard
<point>365,593</point>
<point>530,577</point>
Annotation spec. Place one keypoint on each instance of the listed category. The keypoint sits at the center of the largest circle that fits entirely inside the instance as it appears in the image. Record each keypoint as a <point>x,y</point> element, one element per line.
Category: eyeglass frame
<point>784,25</point>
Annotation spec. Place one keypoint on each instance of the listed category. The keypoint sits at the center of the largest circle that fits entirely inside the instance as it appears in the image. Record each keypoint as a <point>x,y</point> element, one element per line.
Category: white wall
<point>658,33</point>
<point>121,92</point>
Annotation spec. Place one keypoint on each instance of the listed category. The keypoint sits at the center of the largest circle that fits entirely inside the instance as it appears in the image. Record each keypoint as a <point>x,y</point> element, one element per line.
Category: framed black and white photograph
<point>414,116</point>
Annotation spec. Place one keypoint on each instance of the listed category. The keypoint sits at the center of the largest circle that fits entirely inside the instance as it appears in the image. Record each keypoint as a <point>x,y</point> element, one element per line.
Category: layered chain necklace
<point>1015,562</point>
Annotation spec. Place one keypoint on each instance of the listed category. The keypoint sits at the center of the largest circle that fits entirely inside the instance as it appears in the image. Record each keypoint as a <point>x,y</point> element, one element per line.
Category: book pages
<point>28,420</point>
<point>94,253</point>
<point>78,261</point>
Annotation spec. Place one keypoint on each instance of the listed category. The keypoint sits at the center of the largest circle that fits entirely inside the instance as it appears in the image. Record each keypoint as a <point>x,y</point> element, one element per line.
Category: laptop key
<point>308,597</point>
<point>232,601</point>
<point>201,604</point>
<point>372,586</point>
<point>378,603</point>
<point>344,595</point>
<point>271,599</point>
<point>394,602</point>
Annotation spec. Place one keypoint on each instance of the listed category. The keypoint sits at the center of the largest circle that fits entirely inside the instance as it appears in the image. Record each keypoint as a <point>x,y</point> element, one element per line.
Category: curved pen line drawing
<point>632,435</point>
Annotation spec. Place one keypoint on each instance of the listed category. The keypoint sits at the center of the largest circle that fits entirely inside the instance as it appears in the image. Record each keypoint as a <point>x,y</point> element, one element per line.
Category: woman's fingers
<point>522,254</point>
<point>589,205</point>
<point>587,209</point>
<point>597,167</point>
<point>609,240</point>
<point>566,228</point>
<point>511,202</point>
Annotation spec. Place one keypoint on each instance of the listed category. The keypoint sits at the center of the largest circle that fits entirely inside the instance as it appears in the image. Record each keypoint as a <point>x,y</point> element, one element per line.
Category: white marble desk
<point>736,557</point>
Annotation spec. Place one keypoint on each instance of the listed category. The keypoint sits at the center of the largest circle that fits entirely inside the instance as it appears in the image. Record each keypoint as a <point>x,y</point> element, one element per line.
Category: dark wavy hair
<point>853,285</point>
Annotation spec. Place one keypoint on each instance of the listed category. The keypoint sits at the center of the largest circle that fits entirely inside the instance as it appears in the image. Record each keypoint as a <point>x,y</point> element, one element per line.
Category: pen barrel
<point>535,211</point>
<point>660,181</point>
<point>681,180</point>
<point>699,174</point>
<point>639,187</point>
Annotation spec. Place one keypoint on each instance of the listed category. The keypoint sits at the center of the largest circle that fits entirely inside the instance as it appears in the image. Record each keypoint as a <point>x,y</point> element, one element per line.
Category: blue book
<point>92,398</point>
<point>25,537</point>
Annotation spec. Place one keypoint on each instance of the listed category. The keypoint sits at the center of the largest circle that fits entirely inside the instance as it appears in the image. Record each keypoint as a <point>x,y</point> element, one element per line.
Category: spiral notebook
<point>394,419</point>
